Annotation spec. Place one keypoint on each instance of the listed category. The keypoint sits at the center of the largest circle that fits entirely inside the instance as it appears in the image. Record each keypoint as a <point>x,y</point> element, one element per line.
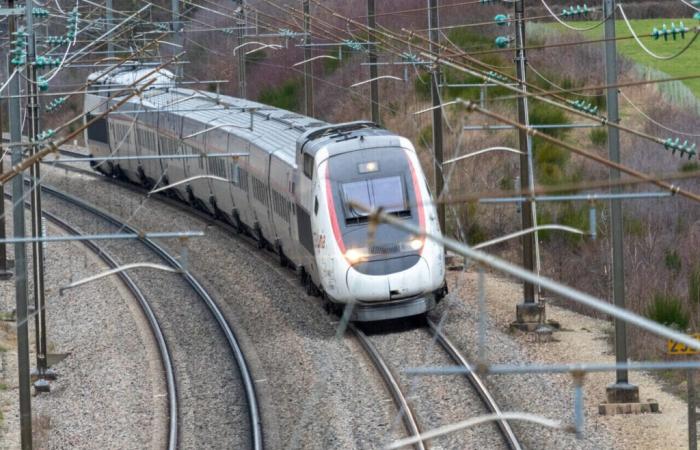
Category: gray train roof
<point>273,130</point>
<point>313,140</point>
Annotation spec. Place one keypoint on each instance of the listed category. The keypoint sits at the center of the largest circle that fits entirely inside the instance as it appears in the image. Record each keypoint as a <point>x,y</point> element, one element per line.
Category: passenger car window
<point>315,205</point>
<point>308,165</point>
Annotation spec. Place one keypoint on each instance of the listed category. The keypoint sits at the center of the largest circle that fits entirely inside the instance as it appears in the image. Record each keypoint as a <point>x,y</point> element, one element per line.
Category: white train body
<point>292,190</point>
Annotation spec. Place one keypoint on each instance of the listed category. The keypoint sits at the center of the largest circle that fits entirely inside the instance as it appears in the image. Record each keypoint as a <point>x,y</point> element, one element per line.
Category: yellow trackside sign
<point>676,348</point>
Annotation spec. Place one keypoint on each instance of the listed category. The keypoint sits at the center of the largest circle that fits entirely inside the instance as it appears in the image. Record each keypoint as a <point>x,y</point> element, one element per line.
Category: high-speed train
<point>291,190</point>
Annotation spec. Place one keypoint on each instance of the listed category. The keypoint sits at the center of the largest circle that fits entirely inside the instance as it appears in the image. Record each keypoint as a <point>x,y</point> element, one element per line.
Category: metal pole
<point>5,273</point>
<point>621,391</point>
<point>434,24</point>
<point>241,55</point>
<point>176,27</point>
<point>308,67</point>
<point>110,19</point>
<point>528,314</point>
<point>41,384</point>
<point>692,416</point>
<point>25,402</point>
<point>373,68</point>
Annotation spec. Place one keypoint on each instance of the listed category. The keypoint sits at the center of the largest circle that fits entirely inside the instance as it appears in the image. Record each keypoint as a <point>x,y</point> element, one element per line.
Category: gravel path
<point>583,339</point>
<point>109,391</point>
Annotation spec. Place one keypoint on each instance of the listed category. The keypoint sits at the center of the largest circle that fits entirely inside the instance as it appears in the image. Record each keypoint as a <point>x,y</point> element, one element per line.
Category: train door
<point>304,210</point>
<point>148,169</point>
<point>128,146</point>
<point>241,186</point>
<point>169,145</point>
<point>259,166</point>
<point>195,144</point>
<point>217,142</point>
<point>281,202</point>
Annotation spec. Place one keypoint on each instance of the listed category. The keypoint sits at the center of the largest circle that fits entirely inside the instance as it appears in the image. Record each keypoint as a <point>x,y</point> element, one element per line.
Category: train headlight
<point>416,244</point>
<point>355,255</point>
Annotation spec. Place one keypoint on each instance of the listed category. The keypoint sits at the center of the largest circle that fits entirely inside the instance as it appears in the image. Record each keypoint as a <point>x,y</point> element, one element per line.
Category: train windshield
<point>388,193</point>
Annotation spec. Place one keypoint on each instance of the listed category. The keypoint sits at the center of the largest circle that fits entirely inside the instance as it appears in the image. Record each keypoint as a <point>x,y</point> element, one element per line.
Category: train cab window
<point>308,165</point>
<point>388,193</point>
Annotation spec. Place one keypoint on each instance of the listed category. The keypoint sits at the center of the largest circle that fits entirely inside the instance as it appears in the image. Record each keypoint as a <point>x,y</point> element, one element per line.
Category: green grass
<point>668,310</point>
<point>285,96</point>
<point>686,64</point>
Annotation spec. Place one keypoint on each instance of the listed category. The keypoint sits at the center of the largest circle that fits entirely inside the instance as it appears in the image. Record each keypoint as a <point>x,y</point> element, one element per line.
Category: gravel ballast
<point>317,391</point>
<point>109,389</point>
<point>320,392</point>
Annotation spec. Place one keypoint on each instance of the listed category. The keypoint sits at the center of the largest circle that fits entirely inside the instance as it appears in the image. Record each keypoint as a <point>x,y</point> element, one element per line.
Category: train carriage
<point>292,191</point>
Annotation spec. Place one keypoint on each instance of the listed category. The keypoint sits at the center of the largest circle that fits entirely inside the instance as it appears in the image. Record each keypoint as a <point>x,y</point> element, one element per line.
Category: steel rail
<point>161,342</point>
<point>246,376</point>
<point>409,416</point>
<point>478,384</point>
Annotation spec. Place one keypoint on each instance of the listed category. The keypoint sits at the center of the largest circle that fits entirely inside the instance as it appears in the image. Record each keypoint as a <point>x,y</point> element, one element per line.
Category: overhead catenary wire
<point>571,27</point>
<point>446,60</point>
<point>646,49</point>
<point>655,122</point>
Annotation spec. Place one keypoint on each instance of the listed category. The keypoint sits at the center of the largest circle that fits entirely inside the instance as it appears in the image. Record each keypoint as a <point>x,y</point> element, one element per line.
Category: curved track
<point>152,321</point>
<point>236,351</point>
<point>410,418</point>
<point>478,384</point>
<point>166,357</point>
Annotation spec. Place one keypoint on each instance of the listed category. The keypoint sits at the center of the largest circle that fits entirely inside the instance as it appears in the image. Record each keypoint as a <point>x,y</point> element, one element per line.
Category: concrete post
<point>308,67</point>
<point>15,116</point>
<point>373,69</point>
<point>434,24</point>
<point>530,313</point>
<point>621,391</point>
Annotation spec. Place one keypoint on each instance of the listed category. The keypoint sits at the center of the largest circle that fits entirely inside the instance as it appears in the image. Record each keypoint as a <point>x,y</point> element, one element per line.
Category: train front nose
<point>388,279</point>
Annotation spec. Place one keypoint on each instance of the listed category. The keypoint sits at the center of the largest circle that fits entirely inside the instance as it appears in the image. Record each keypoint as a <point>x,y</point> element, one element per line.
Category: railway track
<point>409,414</point>
<point>237,356</point>
<point>411,419</point>
<point>147,309</point>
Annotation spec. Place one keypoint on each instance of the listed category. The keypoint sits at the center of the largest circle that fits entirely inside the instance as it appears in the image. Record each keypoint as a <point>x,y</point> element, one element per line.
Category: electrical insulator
<point>584,106</point>
<point>353,45</point>
<point>502,41</point>
<point>576,11</point>
<point>674,31</point>
<point>40,12</point>
<point>56,40</point>
<point>496,76</point>
<point>56,103</point>
<point>683,149</point>
<point>73,18</point>
<point>44,135</point>
<point>286,33</point>
<point>501,19</point>
<point>42,83</point>
<point>46,61</point>
<point>19,53</point>
<point>410,57</point>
